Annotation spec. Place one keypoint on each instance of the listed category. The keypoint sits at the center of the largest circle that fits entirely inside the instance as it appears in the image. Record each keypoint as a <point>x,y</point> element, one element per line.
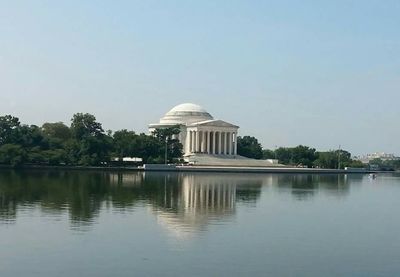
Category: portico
<point>211,141</point>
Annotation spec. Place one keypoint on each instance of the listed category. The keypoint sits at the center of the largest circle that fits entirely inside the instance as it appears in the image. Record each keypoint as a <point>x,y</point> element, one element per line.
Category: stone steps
<point>226,160</point>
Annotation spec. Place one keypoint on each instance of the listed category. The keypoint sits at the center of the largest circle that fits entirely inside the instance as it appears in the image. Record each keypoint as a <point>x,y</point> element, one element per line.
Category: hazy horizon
<point>321,74</point>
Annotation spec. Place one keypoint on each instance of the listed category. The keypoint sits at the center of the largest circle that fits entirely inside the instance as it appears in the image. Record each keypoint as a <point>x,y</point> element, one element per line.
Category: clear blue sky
<point>318,73</point>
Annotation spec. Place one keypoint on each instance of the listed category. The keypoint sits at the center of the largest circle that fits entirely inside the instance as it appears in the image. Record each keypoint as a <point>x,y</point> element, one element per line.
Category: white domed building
<point>200,132</point>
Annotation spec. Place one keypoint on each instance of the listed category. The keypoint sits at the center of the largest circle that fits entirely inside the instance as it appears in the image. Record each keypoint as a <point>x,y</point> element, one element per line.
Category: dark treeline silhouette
<point>84,142</point>
<point>297,156</point>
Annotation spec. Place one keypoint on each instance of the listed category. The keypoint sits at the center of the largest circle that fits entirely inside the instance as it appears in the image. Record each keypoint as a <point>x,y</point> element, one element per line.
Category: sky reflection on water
<point>72,223</point>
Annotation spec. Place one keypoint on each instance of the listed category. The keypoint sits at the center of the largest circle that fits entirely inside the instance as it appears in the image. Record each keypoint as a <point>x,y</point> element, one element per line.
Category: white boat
<point>372,175</point>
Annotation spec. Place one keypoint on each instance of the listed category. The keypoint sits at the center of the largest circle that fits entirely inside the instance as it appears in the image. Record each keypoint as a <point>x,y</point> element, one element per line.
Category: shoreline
<point>72,167</point>
<point>203,169</point>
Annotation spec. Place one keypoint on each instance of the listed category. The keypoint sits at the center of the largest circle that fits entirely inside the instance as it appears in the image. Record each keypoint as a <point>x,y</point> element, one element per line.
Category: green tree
<point>8,129</point>
<point>167,138</point>
<point>125,143</point>
<point>150,149</point>
<point>395,164</point>
<point>376,161</point>
<point>333,159</point>
<point>284,155</point>
<point>12,154</point>
<point>268,154</point>
<point>85,125</point>
<point>303,155</point>
<point>326,160</point>
<point>356,164</point>
<point>56,133</point>
<point>30,136</point>
<point>56,130</point>
<point>299,155</point>
<point>249,147</point>
<point>90,145</point>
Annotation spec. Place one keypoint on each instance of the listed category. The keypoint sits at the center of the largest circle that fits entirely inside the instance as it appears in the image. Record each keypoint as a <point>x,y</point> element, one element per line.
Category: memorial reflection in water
<point>188,202</point>
<point>197,200</point>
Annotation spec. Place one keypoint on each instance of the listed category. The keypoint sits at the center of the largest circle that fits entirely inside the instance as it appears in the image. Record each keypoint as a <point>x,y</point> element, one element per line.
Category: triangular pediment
<point>216,123</point>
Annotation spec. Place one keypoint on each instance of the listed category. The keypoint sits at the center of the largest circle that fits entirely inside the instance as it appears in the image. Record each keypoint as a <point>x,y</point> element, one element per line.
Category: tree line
<point>83,143</point>
<point>297,156</point>
<point>386,164</point>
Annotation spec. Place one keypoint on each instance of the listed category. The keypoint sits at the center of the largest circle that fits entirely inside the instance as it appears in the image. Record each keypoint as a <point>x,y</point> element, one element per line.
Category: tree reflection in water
<point>304,186</point>
<point>180,201</point>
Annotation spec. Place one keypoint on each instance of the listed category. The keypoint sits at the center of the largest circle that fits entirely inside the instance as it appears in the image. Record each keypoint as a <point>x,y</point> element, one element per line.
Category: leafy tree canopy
<point>167,137</point>
<point>85,125</point>
<point>8,127</point>
<point>57,130</point>
<point>249,147</point>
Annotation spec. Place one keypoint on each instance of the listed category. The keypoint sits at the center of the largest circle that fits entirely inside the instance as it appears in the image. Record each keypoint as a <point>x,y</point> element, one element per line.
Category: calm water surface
<point>55,223</point>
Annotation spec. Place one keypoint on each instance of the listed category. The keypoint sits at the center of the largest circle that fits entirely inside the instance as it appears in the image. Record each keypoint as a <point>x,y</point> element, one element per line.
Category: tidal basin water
<point>74,223</point>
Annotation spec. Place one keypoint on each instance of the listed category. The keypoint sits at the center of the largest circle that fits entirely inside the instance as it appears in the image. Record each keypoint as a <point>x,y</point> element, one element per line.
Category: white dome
<point>185,114</point>
<point>187,107</point>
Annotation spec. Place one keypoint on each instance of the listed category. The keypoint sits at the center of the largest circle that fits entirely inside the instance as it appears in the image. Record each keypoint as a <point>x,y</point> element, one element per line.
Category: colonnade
<point>209,197</point>
<point>212,142</point>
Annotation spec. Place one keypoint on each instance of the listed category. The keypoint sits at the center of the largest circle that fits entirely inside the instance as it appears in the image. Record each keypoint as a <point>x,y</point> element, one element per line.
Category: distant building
<point>377,155</point>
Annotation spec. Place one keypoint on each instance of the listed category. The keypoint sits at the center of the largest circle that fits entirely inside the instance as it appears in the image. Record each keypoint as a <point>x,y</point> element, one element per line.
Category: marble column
<point>196,149</point>
<point>213,142</point>
<point>193,141</point>
<point>190,141</point>
<point>197,141</point>
<point>235,145</point>
<point>226,143</point>
<point>208,142</point>
<point>187,144</point>
<point>222,151</point>
<point>230,143</point>
<point>219,143</point>
<point>203,141</point>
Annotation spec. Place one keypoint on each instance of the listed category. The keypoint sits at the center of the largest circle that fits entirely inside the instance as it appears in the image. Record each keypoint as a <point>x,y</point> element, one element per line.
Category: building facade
<point>200,132</point>
<point>377,155</point>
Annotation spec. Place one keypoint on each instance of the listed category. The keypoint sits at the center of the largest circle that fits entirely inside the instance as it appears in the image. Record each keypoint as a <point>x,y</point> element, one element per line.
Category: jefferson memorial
<point>206,141</point>
<point>200,132</point>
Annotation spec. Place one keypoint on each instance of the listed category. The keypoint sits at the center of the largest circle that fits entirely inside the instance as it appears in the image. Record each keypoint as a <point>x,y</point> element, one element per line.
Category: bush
<point>12,154</point>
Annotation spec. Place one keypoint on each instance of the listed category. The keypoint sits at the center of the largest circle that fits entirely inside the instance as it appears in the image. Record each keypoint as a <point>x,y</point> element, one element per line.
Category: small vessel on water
<point>372,176</point>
